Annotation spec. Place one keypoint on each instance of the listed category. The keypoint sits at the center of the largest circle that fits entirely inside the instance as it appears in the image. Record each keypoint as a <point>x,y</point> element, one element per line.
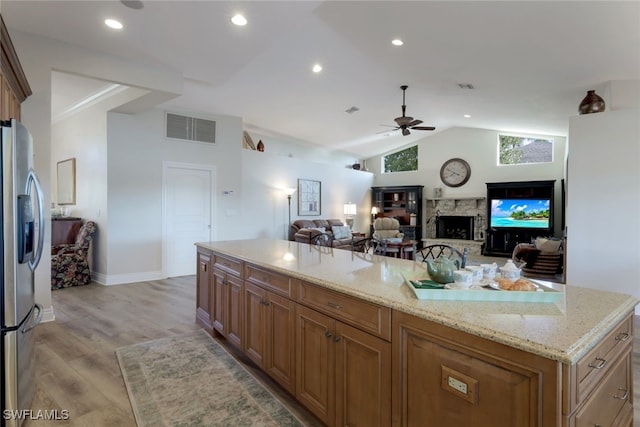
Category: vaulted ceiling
<point>530,63</point>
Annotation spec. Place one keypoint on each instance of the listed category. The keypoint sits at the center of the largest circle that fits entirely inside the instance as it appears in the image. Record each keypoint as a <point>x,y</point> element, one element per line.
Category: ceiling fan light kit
<point>407,123</point>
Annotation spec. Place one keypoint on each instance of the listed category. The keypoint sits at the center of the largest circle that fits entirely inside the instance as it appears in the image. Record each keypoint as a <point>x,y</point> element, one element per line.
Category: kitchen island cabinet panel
<point>227,311</point>
<point>363,378</point>
<point>315,363</point>
<point>279,360</point>
<point>203,297</point>
<point>270,334</point>
<point>468,380</point>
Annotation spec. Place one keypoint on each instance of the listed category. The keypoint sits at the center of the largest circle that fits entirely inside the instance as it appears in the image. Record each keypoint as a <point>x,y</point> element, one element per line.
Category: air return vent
<point>190,128</point>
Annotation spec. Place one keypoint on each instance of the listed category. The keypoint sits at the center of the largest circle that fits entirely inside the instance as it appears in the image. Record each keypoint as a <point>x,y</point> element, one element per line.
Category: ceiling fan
<point>405,122</point>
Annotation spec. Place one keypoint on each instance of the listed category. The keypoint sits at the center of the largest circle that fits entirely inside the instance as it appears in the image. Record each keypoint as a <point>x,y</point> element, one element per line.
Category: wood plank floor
<point>76,366</point>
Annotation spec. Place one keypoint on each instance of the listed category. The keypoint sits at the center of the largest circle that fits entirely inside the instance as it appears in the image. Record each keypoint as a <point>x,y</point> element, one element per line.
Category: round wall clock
<point>455,172</point>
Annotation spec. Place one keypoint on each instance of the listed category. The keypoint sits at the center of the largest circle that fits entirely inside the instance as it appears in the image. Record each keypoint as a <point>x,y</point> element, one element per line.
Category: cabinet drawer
<point>361,314</point>
<point>610,397</point>
<point>594,365</point>
<point>228,264</point>
<point>276,282</point>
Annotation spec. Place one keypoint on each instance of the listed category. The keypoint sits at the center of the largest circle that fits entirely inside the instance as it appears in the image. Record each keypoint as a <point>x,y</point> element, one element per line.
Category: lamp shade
<point>374,210</point>
<point>289,191</point>
<point>350,208</point>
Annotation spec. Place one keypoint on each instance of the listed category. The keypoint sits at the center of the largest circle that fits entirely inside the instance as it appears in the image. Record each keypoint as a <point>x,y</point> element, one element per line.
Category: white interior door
<point>188,198</point>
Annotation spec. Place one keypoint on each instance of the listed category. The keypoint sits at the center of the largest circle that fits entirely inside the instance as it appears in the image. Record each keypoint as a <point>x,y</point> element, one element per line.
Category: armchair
<point>69,261</point>
<point>386,228</point>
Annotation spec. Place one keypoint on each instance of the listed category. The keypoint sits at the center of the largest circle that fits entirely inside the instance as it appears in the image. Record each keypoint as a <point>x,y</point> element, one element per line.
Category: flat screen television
<point>521,213</point>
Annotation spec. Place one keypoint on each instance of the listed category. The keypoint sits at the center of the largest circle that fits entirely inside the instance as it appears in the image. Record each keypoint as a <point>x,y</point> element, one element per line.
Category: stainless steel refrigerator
<point>21,219</point>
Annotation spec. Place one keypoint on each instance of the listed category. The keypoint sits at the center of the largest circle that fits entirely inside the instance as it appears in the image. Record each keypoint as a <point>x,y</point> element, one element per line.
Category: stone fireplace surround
<point>470,207</point>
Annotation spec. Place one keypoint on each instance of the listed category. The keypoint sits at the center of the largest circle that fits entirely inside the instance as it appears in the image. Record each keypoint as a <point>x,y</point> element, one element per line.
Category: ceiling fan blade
<point>405,132</point>
<point>423,128</point>
<point>414,123</point>
<point>387,131</point>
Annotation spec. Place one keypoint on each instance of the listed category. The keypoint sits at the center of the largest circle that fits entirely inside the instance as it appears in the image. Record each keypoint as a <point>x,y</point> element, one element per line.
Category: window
<point>401,161</point>
<point>517,150</point>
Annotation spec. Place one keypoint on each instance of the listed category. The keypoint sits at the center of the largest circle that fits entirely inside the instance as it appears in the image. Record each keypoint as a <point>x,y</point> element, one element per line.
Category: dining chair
<point>436,250</point>
<point>322,239</point>
<point>364,245</point>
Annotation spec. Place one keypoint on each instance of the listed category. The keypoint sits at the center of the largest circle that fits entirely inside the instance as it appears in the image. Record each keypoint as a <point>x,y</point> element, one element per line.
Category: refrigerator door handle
<point>36,321</point>
<point>33,178</point>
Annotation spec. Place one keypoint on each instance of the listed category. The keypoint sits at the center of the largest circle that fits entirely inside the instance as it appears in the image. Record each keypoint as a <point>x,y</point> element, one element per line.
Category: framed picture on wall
<point>67,182</point>
<point>309,197</point>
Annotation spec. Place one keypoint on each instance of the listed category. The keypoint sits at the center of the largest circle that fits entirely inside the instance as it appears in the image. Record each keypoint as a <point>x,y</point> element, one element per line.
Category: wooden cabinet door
<point>279,360</point>
<point>234,312</point>
<point>315,363</point>
<point>203,300</point>
<point>443,377</point>
<point>254,320</point>
<point>219,301</point>
<point>363,378</point>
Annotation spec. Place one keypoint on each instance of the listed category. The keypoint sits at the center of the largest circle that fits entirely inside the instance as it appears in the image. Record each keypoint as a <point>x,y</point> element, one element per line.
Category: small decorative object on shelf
<point>356,166</point>
<point>260,146</point>
<point>592,103</point>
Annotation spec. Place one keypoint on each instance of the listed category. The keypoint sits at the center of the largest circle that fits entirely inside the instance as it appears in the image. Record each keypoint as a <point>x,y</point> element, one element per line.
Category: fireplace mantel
<point>435,201</point>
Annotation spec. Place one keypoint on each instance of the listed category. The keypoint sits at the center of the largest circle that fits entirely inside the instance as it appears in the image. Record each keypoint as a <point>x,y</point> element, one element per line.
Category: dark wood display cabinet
<point>64,229</point>
<point>402,203</point>
<point>516,213</point>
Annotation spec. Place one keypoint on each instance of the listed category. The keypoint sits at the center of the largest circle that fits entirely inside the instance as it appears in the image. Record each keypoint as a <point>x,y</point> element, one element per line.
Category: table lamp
<point>350,211</point>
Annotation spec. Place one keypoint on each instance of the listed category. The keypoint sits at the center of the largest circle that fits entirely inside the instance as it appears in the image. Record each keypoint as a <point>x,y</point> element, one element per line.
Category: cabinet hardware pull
<point>624,396</point>
<point>264,302</point>
<point>622,337</point>
<point>336,338</point>
<point>226,264</point>
<point>328,334</point>
<point>224,281</point>
<point>204,268</point>
<point>333,304</point>
<point>600,365</point>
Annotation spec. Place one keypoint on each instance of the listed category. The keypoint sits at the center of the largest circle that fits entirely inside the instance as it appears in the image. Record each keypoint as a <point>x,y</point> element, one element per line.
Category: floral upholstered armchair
<point>69,262</point>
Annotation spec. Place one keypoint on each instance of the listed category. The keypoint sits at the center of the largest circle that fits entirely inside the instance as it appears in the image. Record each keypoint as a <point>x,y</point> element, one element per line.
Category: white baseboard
<point>119,279</point>
<point>48,315</point>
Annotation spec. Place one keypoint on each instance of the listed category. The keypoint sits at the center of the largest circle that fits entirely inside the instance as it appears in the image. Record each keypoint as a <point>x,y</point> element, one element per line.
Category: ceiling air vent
<point>190,128</point>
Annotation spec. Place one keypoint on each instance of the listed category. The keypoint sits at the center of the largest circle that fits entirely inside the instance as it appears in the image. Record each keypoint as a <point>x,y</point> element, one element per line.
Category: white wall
<point>265,175</point>
<point>603,201</point>
<point>479,147</point>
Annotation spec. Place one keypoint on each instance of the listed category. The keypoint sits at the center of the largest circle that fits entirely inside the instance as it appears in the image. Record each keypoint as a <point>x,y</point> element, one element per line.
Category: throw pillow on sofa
<point>341,232</point>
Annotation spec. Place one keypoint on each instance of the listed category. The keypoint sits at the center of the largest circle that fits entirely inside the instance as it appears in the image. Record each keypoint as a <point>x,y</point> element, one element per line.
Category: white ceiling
<point>531,63</point>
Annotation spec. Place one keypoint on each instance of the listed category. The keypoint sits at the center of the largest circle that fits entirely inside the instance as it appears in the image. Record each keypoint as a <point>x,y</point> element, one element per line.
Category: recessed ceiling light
<point>133,4</point>
<point>112,23</point>
<point>467,116</point>
<point>317,68</point>
<point>239,20</point>
<point>397,42</point>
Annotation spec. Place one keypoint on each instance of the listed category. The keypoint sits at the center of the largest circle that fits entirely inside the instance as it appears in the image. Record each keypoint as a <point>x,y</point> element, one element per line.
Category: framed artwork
<point>309,197</point>
<point>67,182</point>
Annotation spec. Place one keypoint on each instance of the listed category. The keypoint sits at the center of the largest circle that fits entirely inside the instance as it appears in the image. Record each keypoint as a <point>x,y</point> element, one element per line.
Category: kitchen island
<point>345,336</point>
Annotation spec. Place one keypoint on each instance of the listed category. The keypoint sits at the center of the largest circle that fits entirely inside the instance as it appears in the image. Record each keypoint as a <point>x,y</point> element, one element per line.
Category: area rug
<point>190,380</point>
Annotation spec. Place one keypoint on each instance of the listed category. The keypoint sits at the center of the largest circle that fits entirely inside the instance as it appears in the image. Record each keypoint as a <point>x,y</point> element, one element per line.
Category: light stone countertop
<point>562,331</point>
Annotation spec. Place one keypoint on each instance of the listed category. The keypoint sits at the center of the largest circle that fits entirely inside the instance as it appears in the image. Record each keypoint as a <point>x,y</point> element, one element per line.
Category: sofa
<point>303,230</point>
